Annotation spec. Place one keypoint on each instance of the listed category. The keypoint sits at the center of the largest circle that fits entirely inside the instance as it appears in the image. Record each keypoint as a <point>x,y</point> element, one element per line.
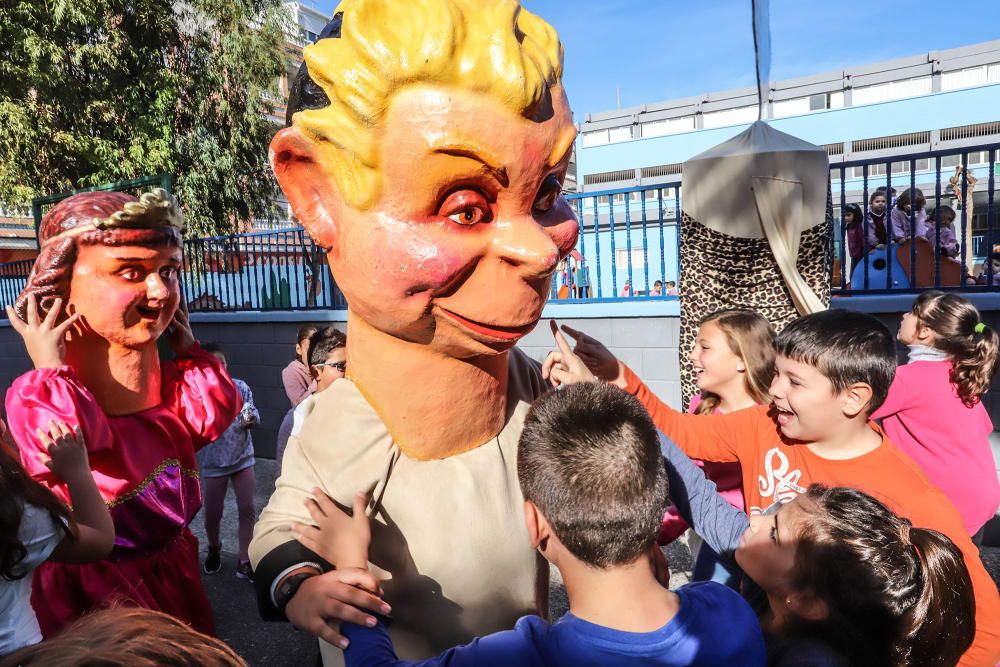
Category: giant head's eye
<point>548,193</point>
<point>466,207</point>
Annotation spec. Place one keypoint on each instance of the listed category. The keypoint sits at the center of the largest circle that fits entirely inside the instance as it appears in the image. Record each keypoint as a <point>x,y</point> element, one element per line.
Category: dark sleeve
<point>372,647</point>
<point>270,568</point>
<point>720,524</point>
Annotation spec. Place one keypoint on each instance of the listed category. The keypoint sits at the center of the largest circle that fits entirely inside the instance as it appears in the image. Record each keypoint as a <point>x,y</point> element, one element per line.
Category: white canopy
<point>762,183</point>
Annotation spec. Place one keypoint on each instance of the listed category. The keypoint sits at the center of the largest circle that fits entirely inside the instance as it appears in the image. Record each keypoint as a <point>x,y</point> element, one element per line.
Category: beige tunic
<point>450,532</point>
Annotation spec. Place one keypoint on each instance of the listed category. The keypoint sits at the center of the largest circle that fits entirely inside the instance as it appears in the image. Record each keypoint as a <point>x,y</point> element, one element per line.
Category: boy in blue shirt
<point>592,475</point>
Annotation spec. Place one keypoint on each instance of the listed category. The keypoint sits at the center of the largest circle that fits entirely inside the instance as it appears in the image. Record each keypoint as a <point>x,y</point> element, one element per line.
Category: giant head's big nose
<point>533,249</point>
<point>156,288</point>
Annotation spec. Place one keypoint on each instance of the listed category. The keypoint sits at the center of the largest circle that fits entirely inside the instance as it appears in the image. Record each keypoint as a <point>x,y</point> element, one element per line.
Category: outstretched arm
<point>372,647</point>
<point>720,524</point>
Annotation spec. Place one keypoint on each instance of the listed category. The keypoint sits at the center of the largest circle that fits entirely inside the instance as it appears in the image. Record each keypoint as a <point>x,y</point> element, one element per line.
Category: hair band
<point>980,327</point>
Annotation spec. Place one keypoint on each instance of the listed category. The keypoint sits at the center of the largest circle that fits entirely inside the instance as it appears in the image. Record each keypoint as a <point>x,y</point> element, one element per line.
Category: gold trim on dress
<point>139,488</point>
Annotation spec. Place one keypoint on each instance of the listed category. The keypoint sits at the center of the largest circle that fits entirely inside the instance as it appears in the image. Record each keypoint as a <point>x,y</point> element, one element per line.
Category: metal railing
<point>13,277</point>
<point>629,242</point>
<point>630,237</point>
<point>275,270</point>
<point>918,249</point>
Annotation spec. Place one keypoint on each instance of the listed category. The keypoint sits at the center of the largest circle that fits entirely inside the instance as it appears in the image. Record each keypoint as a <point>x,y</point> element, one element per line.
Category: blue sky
<point>664,49</point>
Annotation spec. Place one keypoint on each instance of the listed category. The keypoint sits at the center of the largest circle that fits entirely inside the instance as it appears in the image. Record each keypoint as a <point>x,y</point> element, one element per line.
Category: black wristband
<point>288,588</point>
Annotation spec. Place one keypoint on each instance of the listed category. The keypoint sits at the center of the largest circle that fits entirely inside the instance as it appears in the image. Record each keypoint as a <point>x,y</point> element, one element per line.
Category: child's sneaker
<point>245,571</point>
<point>213,563</point>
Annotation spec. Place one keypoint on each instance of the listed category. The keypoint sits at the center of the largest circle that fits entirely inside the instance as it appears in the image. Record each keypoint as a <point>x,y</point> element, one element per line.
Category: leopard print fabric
<point>720,272</point>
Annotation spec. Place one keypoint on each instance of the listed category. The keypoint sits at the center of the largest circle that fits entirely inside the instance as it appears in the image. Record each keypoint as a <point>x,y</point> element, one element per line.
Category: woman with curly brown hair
<point>934,410</point>
<point>113,260</point>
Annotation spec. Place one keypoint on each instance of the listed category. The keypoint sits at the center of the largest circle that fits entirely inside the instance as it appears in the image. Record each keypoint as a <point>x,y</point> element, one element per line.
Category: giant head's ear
<point>312,192</point>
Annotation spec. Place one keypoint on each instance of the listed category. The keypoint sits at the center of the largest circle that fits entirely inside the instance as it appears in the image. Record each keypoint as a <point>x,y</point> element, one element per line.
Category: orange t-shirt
<point>776,471</point>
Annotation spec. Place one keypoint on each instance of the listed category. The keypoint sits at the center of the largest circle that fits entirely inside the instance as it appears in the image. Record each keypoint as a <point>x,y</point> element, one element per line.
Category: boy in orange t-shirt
<point>833,369</point>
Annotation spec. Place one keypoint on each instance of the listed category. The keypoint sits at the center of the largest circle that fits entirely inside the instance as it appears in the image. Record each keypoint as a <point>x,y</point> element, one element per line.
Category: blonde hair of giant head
<point>493,47</point>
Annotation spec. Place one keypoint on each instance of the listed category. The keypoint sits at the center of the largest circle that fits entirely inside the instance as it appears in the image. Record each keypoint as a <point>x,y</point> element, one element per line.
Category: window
<point>817,102</point>
<point>595,138</point>
<point>726,117</point>
<point>622,257</point>
<point>903,166</point>
<point>616,134</point>
<point>873,170</point>
<point>892,90</point>
<point>793,107</point>
<point>974,158</point>
<point>668,195</point>
<point>971,76</point>
<point>979,157</point>
<point>659,128</point>
<point>803,105</point>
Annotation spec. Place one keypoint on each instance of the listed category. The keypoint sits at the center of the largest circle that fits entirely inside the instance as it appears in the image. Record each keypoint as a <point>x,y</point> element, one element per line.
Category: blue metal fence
<point>630,237</point>
<point>903,259</point>
<point>629,241</point>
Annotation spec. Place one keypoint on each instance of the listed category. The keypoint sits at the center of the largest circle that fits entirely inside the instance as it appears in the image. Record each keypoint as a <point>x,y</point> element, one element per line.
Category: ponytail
<point>959,332</point>
<point>942,623</point>
<point>973,374</point>
<point>894,595</point>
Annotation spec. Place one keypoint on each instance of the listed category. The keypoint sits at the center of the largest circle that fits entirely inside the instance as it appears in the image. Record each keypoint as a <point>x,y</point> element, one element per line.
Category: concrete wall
<point>258,346</point>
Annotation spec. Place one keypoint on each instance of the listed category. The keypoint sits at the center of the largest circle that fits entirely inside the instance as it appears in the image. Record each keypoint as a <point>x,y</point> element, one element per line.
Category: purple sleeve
<point>949,244</point>
<point>372,647</point>
<point>900,225</point>
<point>870,232</point>
<point>855,241</point>
<point>697,500</point>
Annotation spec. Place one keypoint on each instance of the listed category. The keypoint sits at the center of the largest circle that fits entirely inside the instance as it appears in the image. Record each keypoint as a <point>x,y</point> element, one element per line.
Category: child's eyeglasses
<point>339,365</point>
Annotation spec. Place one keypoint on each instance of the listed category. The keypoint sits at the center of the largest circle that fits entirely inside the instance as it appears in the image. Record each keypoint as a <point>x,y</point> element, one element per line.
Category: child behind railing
<point>945,220</point>
<point>903,227</point>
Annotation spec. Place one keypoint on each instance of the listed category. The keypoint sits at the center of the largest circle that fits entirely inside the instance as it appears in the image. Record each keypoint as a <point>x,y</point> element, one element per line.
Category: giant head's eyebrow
<point>562,147</point>
<point>475,152</point>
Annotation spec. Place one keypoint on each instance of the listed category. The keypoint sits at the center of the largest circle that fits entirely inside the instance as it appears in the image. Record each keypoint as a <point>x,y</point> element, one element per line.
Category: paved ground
<point>278,645</point>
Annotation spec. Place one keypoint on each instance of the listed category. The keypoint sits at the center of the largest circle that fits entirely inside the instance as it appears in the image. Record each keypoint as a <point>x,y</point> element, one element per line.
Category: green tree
<point>93,91</point>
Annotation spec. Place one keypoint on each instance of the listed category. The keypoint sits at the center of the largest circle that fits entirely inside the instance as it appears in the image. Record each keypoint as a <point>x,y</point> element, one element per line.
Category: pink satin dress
<point>144,466</point>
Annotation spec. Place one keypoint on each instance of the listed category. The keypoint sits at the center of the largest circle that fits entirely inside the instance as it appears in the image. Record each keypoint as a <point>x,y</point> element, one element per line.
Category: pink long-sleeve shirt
<point>925,417</point>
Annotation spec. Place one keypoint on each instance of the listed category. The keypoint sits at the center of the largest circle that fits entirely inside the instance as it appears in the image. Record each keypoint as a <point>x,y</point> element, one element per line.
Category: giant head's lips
<point>492,330</point>
<point>149,312</point>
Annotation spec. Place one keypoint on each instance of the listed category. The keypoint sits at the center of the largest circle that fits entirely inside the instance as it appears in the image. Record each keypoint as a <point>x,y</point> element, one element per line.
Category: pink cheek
<point>410,258</point>
<point>565,235</point>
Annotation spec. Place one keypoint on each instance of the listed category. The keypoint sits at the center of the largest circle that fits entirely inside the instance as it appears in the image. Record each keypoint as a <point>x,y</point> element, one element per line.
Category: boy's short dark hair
<point>323,342</point>
<point>846,346</point>
<point>589,458</point>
